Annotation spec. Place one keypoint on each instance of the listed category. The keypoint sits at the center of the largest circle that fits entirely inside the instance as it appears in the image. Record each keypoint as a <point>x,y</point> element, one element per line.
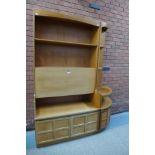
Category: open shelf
<point>107,102</point>
<point>66,18</point>
<point>58,42</point>
<point>63,109</point>
<point>62,55</point>
<point>64,105</point>
<point>64,32</point>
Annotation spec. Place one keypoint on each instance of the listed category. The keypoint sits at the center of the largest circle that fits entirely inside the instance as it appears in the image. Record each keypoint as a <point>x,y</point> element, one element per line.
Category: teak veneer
<point>70,101</point>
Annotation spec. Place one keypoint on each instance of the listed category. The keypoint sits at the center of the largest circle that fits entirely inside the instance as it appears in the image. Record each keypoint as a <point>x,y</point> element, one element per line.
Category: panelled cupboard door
<point>62,81</point>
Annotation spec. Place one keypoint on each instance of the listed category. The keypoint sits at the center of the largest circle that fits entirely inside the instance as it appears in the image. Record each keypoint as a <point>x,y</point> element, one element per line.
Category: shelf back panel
<point>73,56</point>
<point>63,99</point>
<point>63,81</point>
<point>65,31</point>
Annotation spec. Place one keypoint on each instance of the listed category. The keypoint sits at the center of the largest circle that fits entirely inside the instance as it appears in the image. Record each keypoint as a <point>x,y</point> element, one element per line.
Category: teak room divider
<point>70,101</point>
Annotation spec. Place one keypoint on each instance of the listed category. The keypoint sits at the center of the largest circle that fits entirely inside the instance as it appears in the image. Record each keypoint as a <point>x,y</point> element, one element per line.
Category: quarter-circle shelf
<point>104,91</point>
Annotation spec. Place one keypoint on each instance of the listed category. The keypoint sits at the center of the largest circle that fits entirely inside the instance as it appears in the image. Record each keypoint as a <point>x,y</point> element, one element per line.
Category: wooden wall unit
<point>69,99</point>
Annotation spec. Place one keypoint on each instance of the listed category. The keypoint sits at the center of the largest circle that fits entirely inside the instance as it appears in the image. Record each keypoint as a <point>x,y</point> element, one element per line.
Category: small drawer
<point>62,133</point>
<point>60,123</point>
<point>79,120</point>
<point>44,137</point>
<point>92,117</point>
<point>43,126</point>
<point>90,127</point>
<point>103,124</point>
<point>78,130</point>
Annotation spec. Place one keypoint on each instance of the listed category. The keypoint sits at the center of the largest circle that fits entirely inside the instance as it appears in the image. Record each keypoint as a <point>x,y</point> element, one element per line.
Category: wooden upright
<point>69,99</point>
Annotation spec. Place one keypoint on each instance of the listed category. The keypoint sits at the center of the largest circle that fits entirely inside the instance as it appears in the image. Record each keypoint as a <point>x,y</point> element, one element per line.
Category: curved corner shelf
<point>104,91</point>
<point>107,102</point>
<point>64,43</point>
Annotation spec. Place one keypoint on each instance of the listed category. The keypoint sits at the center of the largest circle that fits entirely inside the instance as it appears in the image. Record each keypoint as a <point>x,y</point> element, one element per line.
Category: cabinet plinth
<point>70,101</point>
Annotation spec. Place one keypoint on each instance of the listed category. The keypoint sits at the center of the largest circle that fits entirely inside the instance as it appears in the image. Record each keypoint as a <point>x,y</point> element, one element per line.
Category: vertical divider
<point>85,123</point>
<point>98,76</point>
<point>71,126</point>
<point>33,74</point>
<point>52,126</point>
<point>53,122</point>
<point>33,70</point>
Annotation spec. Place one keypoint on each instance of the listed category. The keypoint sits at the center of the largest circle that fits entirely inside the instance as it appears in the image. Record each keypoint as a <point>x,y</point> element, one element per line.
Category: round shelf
<point>104,91</point>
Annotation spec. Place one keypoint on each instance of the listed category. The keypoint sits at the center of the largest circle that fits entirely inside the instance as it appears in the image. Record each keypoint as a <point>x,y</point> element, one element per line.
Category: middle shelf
<point>59,42</point>
<point>62,55</point>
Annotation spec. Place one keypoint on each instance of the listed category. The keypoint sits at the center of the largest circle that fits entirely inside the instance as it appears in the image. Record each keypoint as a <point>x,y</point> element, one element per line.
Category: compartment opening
<point>67,56</point>
<point>56,29</point>
<point>66,105</point>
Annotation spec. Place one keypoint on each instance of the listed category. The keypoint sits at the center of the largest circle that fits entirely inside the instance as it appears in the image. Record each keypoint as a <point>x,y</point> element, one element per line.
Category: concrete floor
<point>112,141</point>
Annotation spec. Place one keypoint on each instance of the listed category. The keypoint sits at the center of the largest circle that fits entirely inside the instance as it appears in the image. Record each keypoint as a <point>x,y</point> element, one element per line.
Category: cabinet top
<point>62,16</point>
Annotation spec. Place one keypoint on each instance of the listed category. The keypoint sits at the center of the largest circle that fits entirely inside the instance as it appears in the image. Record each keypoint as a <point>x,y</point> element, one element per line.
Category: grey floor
<point>112,141</point>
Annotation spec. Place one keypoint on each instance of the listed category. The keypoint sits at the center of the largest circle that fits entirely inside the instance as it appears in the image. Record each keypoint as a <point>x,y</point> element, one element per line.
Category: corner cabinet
<point>69,99</point>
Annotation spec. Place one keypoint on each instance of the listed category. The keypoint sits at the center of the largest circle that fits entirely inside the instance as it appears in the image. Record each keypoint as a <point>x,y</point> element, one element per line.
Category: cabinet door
<point>91,127</point>
<point>43,126</point>
<point>45,137</point>
<point>78,130</point>
<point>62,81</point>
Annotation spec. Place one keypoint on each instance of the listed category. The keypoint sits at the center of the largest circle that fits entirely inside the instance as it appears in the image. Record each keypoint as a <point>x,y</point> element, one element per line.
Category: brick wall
<point>115,13</point>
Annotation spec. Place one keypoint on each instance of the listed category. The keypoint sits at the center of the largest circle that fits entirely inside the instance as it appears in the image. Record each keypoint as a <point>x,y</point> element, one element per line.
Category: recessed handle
<point>68,72</point>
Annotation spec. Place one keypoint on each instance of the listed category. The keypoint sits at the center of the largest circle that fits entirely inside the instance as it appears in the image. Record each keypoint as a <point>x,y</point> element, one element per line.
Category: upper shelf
<point>64,42</point>
<point>75,19</point>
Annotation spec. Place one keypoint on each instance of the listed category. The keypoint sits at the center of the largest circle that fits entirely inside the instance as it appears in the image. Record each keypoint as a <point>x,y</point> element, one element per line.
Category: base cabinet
<point>53,130</point>
<point>58,129</point>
